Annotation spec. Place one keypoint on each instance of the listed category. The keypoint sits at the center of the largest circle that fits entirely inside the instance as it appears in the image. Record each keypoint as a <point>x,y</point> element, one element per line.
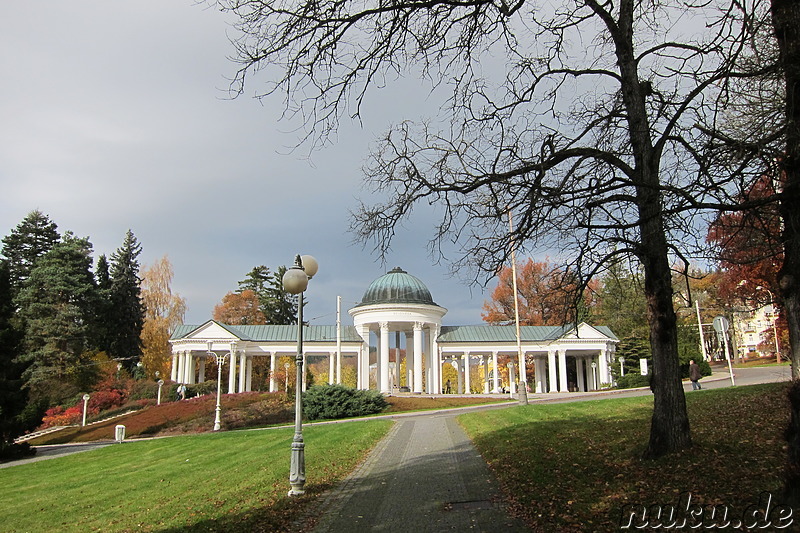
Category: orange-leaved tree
<point>239,308</point>
<point>544,294</point>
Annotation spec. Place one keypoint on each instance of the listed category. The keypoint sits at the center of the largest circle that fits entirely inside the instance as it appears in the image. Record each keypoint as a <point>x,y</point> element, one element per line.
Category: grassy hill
<point>243,410</point>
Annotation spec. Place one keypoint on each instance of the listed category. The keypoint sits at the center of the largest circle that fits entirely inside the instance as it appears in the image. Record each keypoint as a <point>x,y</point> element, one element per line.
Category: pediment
<point>585,332</point>
<point>212,330</point>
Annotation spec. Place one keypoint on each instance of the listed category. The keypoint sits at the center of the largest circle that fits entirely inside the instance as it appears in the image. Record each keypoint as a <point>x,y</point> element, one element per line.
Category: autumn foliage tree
<point>748,246</point>
<point>239,308</point>
<point>545,296</point>
<point>164,310</point>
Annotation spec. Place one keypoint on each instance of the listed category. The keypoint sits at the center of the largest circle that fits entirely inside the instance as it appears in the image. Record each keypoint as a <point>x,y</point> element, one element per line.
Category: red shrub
<point>103,400</point>
<point>58,416</point>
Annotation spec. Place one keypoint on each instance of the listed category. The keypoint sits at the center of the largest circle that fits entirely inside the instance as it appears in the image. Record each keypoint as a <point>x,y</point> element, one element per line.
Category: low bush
<point>58,416</point>
<point>338,401</point>
<point>632,380</point>
<point>12,452</point>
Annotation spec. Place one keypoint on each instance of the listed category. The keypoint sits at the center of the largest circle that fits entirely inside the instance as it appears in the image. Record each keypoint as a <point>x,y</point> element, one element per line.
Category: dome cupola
<point>397,287</point>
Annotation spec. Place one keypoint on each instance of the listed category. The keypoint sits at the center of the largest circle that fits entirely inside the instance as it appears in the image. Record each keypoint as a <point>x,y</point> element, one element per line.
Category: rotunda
<point>400,304</point>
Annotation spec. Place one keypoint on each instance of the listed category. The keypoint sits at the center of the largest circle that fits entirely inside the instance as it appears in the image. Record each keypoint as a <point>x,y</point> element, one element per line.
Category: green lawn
<point>573,467</point>
<point>231,481</point>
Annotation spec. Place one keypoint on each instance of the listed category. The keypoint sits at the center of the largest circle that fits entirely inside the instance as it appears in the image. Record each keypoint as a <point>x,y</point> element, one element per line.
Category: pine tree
<point>127,313</point>
<point>104,308</point>
<point>57,305</point>
<point>278,306</point>
<point>13,397</point>
<point>31,239</point>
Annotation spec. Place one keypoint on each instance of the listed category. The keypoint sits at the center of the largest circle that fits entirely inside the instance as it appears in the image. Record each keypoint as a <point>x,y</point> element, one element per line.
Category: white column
<point>188,368</point>
<point>551,371</point>
<point>486,386</point>
<point>538,364</point>
<point>242,371</point>
<point>272,362</point>
<point>562,371</point>
<point>249,379</point>
<point>362,359</point>
<point>436,360</point>
<point>581,374</point>
<point>496,384</point>
<point>232,372</point>
<point>201,373</point>
<point>467,384</point>
<point>417,357</point>
<point>602,369</point>
<point>383,359</point>
<point>173,373</point>
<point>409,361</point>
<point>179,373</point>
<point>331,368</point>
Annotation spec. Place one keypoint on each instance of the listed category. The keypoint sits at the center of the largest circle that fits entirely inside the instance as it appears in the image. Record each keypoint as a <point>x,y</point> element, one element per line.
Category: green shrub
<point>338,401</point>
<point>633,380</point>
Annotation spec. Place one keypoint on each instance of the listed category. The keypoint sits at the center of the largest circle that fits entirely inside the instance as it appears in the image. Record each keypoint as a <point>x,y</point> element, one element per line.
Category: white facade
<point>398,316</point>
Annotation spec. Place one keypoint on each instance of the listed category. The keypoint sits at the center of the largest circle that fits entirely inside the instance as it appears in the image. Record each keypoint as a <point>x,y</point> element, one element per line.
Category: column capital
<point>418,326</point>
<point>383,325</point>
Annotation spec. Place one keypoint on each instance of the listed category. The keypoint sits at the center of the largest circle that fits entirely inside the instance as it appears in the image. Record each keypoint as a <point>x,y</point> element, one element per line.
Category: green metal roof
<point>397,286</point>
<point>273,333</point>
<point>489,333</point>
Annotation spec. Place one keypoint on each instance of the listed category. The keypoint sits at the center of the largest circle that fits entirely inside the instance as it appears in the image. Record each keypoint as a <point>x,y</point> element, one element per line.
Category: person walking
<point>695,375</point>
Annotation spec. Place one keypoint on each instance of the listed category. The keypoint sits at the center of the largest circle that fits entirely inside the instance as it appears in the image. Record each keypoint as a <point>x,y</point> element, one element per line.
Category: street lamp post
<point>295,281</point>
<point>621,366</point>
<point>160,384</point>
<point>85,406</point>
<point>220,361</point>
<point>594,375</point>
<point>286,367</point>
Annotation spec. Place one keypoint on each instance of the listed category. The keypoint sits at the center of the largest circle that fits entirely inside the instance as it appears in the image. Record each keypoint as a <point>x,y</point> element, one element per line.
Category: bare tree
<point>588,119</point>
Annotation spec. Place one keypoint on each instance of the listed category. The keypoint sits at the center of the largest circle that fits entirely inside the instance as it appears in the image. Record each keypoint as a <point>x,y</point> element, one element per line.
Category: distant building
<point>754,331</point>
<point>397,314</point>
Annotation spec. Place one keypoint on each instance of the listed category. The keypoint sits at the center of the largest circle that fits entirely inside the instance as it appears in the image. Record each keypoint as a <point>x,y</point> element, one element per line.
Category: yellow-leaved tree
<point>163,312</point>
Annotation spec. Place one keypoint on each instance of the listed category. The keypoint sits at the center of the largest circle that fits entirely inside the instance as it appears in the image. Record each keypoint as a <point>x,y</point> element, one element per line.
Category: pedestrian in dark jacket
<point>694,375</point>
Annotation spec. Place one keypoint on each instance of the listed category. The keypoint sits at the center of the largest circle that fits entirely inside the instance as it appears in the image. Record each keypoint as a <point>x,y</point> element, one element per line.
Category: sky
<point>115,115</point>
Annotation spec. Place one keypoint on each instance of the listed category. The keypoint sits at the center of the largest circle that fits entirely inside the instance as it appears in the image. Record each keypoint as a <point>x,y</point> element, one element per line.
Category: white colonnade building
<point>397,343</point>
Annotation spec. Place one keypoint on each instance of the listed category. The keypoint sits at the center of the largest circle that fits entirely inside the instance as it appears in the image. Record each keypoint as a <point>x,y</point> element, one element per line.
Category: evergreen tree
<point>278,306</point>
<point>127,312</point>
<point>13,397</point>
<point>31,239</point>
<point>621,303</point>
<point>57,305</point>
<point>104,308</point>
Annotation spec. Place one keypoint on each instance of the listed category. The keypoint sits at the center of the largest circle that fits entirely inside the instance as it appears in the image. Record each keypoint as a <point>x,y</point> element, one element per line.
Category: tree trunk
<point>786,21</point>
<point>669,427</point>
<point>669,430</point>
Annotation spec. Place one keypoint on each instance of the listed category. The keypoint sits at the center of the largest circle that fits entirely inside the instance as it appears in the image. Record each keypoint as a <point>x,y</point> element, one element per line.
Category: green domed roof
<point>397,287</point>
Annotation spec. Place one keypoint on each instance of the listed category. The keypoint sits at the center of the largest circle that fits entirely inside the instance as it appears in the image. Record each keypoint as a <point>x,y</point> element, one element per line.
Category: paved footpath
<point>425,475</point>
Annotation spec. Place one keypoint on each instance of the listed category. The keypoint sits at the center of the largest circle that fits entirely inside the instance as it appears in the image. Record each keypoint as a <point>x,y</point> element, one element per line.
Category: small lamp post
<point>295,281</point>
<point>594,375</point>
<point>286,368</point>
<point>220,361</point>
<point>160,384</point>
<point>85,407</point>
<point>621,366</point>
